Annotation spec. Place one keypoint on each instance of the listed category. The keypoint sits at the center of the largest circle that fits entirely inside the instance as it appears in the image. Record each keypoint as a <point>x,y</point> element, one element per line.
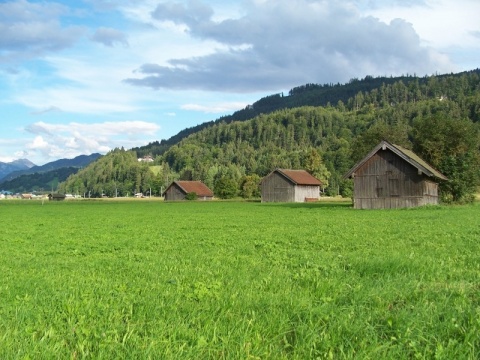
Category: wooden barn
<point>391,176</point>
<point>283,185</point>
<point>178,190</point>
<point>56,197</point>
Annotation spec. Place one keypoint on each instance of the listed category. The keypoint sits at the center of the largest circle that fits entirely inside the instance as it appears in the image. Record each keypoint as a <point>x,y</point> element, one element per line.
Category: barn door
<point>380,186</point>
<point>393,186</point>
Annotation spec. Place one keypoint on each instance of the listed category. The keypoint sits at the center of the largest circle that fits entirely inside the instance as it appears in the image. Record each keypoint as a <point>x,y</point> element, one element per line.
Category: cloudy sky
<point>85,76</point>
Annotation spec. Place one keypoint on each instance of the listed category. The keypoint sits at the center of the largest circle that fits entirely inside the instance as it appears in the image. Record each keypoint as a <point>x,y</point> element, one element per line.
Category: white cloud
<point>105,129</point>
<point>38,144</point>
<point>30,30</point>
<point>81,89</point>
<point>284,43</point>
<point>53,141</point>
<point>76,100</point>
<point>439,23</point>
<point>202,57</point>
<point>10,143</point>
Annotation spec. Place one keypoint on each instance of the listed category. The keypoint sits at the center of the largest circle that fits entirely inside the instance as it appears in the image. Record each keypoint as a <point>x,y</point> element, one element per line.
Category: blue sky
<point>85,76</point>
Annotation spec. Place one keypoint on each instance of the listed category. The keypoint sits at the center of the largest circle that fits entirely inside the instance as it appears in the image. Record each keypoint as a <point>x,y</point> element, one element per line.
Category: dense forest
<point>349,96</point>
<point>119,173</point>
<point>305,95</point>
<point>314,127</point>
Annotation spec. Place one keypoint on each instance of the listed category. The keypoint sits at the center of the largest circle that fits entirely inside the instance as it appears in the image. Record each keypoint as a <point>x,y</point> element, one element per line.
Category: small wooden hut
<point>283,185</point>
<point>56,197</point>
<point>178,190</point>
<point>391,176</point>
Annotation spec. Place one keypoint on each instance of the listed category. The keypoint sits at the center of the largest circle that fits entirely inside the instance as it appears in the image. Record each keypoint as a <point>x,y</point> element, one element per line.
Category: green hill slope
<point>379,91</point>
<point>438,117</point>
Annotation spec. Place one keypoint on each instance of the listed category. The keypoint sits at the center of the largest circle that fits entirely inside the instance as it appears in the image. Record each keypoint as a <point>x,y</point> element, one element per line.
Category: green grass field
<point>237,280</point>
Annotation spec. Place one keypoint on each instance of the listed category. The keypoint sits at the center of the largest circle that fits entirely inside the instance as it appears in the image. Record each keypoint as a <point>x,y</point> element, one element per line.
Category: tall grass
<point>233,280</point>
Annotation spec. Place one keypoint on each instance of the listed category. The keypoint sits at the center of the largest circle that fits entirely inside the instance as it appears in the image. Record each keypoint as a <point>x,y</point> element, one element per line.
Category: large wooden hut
<point>178,190</point>
<point>283,185</point>
<point>391,176</point>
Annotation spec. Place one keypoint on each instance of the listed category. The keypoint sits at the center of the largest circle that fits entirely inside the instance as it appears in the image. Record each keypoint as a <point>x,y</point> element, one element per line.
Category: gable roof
<point>299,177</point>
<point>407,155</point>
<point>193,186</point>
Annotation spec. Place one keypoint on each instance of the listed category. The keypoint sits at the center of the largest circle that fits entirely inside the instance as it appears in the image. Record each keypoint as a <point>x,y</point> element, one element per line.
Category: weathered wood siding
<point>388,181</point>
<point>174,193</point>
<point>275,188</point>
<point>303,192</point>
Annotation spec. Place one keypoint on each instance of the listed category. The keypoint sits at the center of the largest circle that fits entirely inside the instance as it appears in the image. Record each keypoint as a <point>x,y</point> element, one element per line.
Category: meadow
<point>237,280</point>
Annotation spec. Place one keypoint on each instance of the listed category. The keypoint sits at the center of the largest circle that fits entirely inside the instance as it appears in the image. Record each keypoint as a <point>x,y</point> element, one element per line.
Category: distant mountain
<point>24,172</point>
<point>23,163</point>
<point>17,165</point>
<point>38,182</point>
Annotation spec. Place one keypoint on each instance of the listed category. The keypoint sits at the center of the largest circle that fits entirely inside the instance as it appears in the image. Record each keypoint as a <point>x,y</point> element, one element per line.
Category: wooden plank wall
<point>275,188</point>
<point>388,181</point>
<point>303,192</point>
<point>174,193</point>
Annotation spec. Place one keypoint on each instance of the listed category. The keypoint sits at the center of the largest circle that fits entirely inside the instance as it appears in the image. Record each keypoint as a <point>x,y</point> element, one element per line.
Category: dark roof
<point>193,186</point>
<point>299,177</point>
<point>407,155</point>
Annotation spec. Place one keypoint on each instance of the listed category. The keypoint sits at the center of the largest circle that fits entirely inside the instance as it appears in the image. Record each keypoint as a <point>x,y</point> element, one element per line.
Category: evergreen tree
<point>452,146</point>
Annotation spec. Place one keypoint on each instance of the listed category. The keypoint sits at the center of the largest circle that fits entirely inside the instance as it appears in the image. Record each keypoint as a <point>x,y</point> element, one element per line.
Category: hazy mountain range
<point>23,167</point>
<point>15,166</point>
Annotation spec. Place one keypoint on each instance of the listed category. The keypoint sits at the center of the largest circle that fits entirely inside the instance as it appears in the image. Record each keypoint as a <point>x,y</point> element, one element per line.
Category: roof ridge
<point>406,154</point>
<point>302,177</point>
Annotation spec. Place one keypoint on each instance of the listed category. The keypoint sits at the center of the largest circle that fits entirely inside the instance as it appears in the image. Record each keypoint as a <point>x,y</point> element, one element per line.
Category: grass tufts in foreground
<point>233,280</point>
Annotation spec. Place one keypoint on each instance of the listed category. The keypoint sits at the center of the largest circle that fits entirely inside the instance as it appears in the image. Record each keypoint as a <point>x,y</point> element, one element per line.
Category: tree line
<point>437,117</point>
<point>376,91</point>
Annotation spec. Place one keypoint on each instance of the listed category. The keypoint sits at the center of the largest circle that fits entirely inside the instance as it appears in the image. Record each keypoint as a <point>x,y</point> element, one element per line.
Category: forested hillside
<point>379,91</point>
<point>119,173</point>
<point>438,117</point>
